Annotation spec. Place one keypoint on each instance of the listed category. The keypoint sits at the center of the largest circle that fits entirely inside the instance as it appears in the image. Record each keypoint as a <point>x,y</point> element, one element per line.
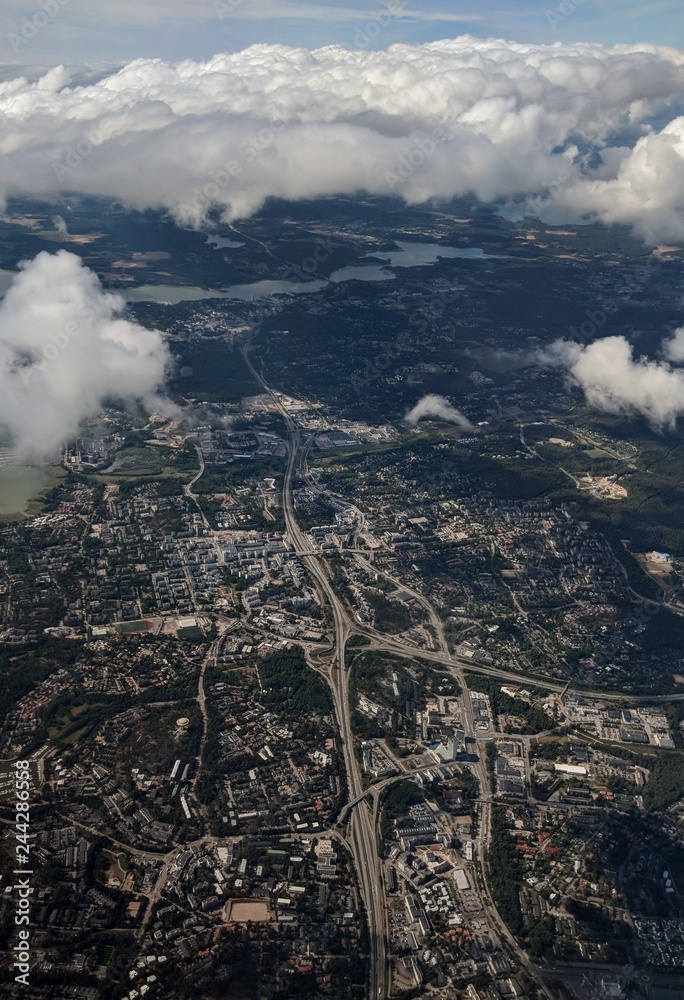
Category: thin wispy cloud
<point>131,12</point>
<point>444,17</point>
<point>117,31</point>
<point>266,10</point>
<point>648,10</point>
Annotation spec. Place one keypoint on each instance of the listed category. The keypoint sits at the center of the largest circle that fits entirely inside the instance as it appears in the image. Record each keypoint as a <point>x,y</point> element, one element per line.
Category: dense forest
<point>291,686</point>
<point>505,871</point>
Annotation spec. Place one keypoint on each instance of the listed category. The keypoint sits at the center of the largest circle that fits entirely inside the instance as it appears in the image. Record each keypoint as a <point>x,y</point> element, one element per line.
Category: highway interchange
<point>361,819</point>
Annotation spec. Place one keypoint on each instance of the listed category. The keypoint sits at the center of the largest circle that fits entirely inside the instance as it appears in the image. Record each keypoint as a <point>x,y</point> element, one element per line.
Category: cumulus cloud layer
<point>64,350</point>
<point>437,408</point>
<point>505,121</point>
<point>614,381</point>
<point>673,349</point>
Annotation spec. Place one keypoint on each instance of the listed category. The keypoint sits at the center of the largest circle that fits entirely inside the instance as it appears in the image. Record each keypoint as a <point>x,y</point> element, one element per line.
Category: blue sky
<point>112,31</point>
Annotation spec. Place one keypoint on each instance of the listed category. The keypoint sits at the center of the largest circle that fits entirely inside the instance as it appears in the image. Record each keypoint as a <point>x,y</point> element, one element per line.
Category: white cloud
<point>437,408</point>
<point>441,16</point>
<point>299,124</point>
<point>674,349</point>
<point>647,191</point>
<point>129,12</point>
<point>135,13</point>
<point>65,349</point>
<point>614,381</point>
<point>268,10</point>
<point>632,13</point>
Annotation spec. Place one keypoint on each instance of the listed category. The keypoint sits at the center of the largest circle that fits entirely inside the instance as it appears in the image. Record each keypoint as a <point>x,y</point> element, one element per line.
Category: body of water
<point>409,255</point>
<point>418,254</point>
<point>173,294</point>
<point>220,243</point>
<point>362,272</point>
<point>18,486</point>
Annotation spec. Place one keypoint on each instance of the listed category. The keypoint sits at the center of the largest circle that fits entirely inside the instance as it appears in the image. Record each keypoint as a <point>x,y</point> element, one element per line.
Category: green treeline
<point>666,782</point>
<point>396,801</point>
<point>20,671</point>
<point>390,616</point>
<point>505,872</point>
<point>536,720</point>
<point>291,686</point>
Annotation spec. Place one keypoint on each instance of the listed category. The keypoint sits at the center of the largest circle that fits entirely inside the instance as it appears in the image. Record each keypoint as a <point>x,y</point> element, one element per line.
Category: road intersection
<point>361,819</point>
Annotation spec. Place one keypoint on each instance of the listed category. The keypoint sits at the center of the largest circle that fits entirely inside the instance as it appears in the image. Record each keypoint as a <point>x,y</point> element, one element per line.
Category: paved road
<point>380,640</point>
<point>361,836</point>
<point>187,489</point>
<point>361,828</point>
<point>435,620</point>
<point>210,658</point>
<point>460,663</point>
<point>483,840</point>
<point>361,821</point>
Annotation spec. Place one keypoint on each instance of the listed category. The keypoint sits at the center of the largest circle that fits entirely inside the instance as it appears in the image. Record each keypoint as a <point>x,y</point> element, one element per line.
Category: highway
<point>303,549</point>
<point>361,827</point>
<point>361,833</point>
<point>362,837</point>
<point>187,489</point>
<point>361,557</point>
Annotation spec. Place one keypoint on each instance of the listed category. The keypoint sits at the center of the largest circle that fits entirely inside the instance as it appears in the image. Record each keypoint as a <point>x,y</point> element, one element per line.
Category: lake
<point>220,243</point>
<point>173,294</point>
<point>18,486</point>
<point>418,254</point>
<point>408,255</point>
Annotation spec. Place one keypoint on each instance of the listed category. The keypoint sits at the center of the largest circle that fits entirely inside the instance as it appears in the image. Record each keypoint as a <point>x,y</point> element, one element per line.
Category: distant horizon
<point>101,33</point>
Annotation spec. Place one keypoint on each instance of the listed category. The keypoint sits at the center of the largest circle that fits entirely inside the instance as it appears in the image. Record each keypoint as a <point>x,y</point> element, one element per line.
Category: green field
<point>137,462</point>
<point>65,718</point>
<point>126,628</point>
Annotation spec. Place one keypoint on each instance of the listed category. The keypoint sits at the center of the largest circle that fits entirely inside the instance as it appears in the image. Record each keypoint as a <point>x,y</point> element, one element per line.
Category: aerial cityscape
<point>341,508</point>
